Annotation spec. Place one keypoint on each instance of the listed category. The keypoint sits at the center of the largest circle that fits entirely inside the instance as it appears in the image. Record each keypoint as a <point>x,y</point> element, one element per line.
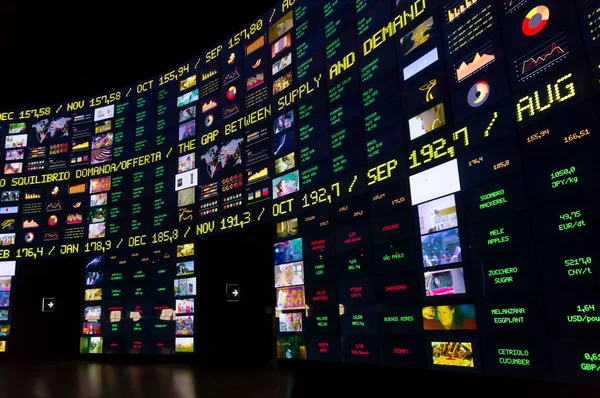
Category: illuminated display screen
<point>429,168</point>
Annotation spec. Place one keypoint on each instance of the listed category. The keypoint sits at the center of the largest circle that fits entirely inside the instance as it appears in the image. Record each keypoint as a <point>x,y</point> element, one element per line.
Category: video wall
<point>428,167</point>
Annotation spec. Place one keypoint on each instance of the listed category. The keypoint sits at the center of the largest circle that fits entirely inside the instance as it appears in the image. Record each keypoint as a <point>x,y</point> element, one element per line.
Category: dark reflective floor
<point>88,380</point>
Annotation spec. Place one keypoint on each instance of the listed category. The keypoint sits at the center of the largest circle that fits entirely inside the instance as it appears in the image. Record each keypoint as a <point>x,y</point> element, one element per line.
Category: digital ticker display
<point>428,167</point>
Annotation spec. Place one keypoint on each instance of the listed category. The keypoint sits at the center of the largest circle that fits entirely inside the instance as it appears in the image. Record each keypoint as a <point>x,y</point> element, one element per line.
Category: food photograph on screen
<point>448,353</point>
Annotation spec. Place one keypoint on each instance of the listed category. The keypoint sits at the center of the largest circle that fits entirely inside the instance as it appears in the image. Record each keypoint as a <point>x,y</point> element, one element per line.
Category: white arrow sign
<point>232,292</point>
<point>47,304</point>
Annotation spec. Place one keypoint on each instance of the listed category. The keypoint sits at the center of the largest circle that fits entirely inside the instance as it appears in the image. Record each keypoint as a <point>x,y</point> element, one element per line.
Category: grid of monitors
<point>427,167</point>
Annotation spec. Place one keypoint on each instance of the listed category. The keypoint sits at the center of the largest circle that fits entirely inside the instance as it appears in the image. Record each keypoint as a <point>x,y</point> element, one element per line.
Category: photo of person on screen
<point>283,188</point>
<point>449,317</point>
<point>287,276</point>
<point>432,118</point>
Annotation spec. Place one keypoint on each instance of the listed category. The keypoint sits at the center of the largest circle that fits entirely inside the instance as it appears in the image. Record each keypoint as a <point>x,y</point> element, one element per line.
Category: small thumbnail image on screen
<point>99,199</point>
<point>5,283</point>
<point>3,315</point>
<point>101,141</point>
<point>93,294</point>
<point>185,287</point>
<point>291,274</point>
<point>92,313</point>
<point>283,122</point>
<point>284,143</point>
<point>92,328</point>
<point>4,330</point>
<point>427,121</point>
<point>281,45</point>
<point>13,168</point>
<point>98,185</point>
<point>281,64</point>
<point>288,251</point>
<point>291,347</point>
<point>285,163</point>
<point>441,248</point>
<point>438,215</point>
<point>291,298</point>
<point>10,196</point>
<point>187,98</point>
<point>185,250</point>
<point>187,130</point>
<point>103,127</point>
<point>184,306</point>
<point>184,325</point>
<point>94,263</point>
<point>287,229</point>
<point>290,322</point>
<point>188,83</point>
<point>7,239</point>
<point>186,197</point>
<point>281,26</point>
<point>184,345</point>
<point>282,83</point>
<point>17,128</point>
<point>94,278</point>
<point>15,141</point>
<point>4,299</point>
<point>445,282</point>
<point>185,268</point>
<point>459,354</point>
<point>15,154</point>
<point>186,162</point>
<point>417,37</point>
<point>449,317</point>
<point>97,231</point>
<point>90,345</point>
<point>2,346</point>
<point>97,214</point>
<point>187,114</point>
<point>286,185</point>
<point>100,156</point>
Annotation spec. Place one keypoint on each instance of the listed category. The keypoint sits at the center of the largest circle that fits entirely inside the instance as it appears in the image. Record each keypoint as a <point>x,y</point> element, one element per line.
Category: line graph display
<point>474,62</point>
<point>457,8</point>
<point>541,58</point>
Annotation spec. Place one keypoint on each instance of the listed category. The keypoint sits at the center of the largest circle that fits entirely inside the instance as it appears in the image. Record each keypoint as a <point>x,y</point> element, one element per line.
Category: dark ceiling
<point>66,49</point>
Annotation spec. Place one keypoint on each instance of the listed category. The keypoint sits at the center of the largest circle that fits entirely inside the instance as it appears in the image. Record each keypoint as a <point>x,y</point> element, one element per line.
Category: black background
<point>47,335</point>
<point>55,51</point>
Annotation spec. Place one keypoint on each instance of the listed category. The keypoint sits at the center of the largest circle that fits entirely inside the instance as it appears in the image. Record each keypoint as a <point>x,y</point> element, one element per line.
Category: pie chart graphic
<point>209,120</point>
<point>478,94</point>
<point>231,93</point>
<point>536,20</point>
<point>29,236</point>
<point>52,221</point>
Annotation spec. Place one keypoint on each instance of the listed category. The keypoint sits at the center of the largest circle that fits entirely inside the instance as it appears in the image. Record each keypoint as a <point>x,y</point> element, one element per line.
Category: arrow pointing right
<point>50,304</point>
<point>235,293</point>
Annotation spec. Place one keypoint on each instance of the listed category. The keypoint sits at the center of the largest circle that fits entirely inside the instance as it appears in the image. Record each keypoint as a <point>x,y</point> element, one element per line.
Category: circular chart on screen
<point>478,94</point>
<point>536,20</point>
<point>52,221</point>
<point>231,92</point>
<point>29,236</point>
